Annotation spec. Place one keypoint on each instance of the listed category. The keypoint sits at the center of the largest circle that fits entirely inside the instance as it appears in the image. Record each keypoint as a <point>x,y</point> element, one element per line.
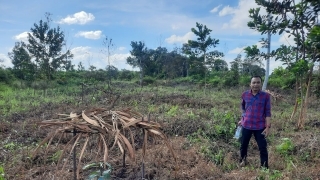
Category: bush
<point>148,80</point>
<point>5,76</point>
<point>216,81</point>
<point>126,75</point>
<point>245,80</point>
<point>286,147</point>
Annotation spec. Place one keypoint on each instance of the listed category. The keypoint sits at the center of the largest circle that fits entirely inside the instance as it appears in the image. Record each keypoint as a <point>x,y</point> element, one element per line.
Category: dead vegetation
<point>109,127</point>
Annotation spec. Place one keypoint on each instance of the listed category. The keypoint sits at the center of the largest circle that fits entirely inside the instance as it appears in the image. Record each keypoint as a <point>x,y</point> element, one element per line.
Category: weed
<point>266,174</point>
<point>2,173</point>
<point>173,111</point>
<point>55,156</point>
<point>286,147</point>
<point>11,146</point>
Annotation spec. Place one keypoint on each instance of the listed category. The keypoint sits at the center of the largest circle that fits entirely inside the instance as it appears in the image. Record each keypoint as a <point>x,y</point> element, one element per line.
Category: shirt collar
<point>250,91</point>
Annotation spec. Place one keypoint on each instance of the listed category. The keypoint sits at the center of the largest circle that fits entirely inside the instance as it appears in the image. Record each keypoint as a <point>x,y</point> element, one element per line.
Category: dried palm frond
<point>107,126</point>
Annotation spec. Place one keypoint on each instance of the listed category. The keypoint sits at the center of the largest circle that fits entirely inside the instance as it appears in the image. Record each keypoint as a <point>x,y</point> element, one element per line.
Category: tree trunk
<point>296,102</point>
<point>306,99</point>
<point>300,119</point>
<point>141,76</point>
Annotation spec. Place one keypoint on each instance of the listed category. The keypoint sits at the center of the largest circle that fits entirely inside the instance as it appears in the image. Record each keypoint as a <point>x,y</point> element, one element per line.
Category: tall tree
<point>45,45</point>
<point>295,19</point>
<point>203,44</point>
<point>23,67</point>
<point>138,57</point>
<point>220,65</point>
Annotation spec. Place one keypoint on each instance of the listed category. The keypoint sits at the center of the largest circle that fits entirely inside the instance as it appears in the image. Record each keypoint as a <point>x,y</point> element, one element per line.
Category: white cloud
<point>22,37</point>
<point>78,18</point>
<point>239,50</point>
<point>275,64</point>
<point>120,61</point>
<point>215,9</point>
<point>240,16</point>
<point>179,39</point>
<point>236,50</point>
<point>88,56</point>
<point>226,11</point>
<point>90,34</point>
<point>5,61</point>
<point>122,48</point>
<point>259,45</point>
<point>286,40</point>
<point>81,53</point>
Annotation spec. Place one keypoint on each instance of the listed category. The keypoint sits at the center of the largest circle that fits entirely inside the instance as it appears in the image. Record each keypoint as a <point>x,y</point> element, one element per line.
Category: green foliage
<point>55,156</point>
<point>173,111</point>
<point>245,80</point>
<point>11,146</point>
<point>46,46</point>
<point>215,81</point>
<point>300,68</point>
<point>23,67</point>
<point>224,125</point>
<point>4,87</point>
<point>277,80</point>
<point>191,115</point>
<point>209,152</point>
<point>2,174</point>
<point>148,80</point>
<point>286,146</point>
<point>5,76</point>
<point>188,79</point>
<point>267,174</point>
<point>126,75</point>
<point>231,79</point>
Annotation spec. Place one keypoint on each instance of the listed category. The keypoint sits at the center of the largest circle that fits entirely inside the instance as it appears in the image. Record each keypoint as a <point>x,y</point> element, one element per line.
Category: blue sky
<point>165,23</point>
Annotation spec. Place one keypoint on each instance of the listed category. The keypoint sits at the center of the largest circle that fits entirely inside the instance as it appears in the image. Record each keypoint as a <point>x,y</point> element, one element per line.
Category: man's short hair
<point>255,77</point>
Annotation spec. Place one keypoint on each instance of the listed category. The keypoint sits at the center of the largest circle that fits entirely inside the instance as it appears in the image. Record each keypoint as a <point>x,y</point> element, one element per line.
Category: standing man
<point>256,115</point>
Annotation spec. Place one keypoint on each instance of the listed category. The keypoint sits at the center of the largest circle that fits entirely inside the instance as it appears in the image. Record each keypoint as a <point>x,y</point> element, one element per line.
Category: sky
<point>165,23</point>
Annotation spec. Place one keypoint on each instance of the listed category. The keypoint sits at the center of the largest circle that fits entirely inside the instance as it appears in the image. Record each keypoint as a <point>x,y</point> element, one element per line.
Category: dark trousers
<point>262,143</point>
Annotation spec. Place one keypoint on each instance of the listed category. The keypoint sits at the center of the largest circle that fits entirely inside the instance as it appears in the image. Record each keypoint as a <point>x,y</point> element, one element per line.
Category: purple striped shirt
<point>255,109</point>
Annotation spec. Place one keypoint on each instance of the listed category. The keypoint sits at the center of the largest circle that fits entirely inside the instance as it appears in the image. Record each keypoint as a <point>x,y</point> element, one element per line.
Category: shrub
<point>148,80</point>
<point>216,81</point>
<point>244,80</point>
<point>286,147</point>
<point>126,75</point>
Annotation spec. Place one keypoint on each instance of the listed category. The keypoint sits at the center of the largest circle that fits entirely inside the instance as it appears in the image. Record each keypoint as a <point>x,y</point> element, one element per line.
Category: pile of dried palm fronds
<point>110,127</point>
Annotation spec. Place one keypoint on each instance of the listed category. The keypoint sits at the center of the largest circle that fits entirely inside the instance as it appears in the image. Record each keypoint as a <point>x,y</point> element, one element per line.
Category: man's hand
<point>266,131</point>
<point>239,123</point>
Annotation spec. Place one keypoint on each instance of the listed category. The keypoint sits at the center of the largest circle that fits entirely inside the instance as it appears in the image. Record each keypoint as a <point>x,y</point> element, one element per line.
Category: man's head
<point>255,83</point>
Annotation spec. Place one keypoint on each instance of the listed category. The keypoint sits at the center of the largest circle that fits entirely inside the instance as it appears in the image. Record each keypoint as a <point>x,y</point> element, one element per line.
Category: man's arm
<point>243,106</point>
<point>268,116</point>
<point>268,122</point>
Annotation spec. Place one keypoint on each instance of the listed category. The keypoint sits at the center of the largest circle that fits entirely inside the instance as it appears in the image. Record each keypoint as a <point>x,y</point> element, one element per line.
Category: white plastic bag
<point>237,135</point>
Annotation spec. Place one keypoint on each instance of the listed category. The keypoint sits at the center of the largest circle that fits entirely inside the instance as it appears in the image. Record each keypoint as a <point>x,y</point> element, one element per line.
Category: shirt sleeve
<point>243,105</point>
<point>268,106</point>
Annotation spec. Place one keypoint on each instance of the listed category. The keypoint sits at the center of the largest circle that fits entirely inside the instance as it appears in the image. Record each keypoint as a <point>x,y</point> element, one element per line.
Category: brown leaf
<point>86,118</point>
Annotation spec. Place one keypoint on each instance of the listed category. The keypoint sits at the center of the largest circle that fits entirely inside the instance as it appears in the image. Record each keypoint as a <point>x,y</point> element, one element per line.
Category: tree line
<point>46,54</point>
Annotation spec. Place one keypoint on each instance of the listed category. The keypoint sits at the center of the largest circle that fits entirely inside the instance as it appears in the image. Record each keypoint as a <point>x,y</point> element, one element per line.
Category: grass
<point>205,122</point>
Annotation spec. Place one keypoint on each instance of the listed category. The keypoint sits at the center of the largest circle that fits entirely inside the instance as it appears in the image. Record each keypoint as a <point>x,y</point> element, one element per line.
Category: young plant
<point>101,174</point>
<point>1,173</point>
<point>286,147</point>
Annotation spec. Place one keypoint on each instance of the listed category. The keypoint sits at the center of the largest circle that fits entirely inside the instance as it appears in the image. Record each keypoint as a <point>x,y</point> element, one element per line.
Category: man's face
<point>255,84</point>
